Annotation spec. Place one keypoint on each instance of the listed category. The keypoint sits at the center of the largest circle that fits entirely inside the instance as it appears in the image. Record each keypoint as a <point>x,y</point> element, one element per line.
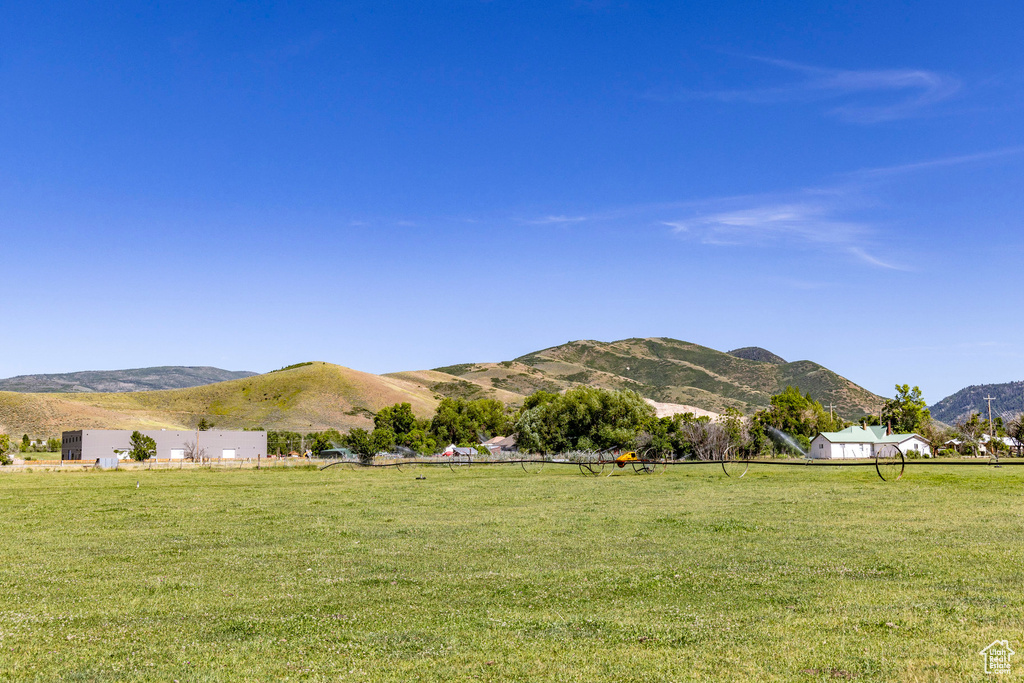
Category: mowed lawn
<point>493,574</point>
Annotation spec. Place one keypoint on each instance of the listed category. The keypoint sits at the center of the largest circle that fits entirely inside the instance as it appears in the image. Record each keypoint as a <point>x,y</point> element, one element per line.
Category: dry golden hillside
<point>310,397</point>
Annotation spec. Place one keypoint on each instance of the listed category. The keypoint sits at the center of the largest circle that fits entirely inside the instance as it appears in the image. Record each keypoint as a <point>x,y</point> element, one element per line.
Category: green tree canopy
<point>490,417</point>
<point>584,418</point>
<point>907,413</point>
<point>282,443</point>
<point>796,414</point>
<point>317,442</point>
<point>142,447</point>
<point>464,422</point>
<point>361,443</point>
<point>399,418</point>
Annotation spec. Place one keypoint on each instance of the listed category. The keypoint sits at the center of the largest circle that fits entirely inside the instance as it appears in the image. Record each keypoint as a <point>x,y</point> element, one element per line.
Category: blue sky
<point>396,186</point>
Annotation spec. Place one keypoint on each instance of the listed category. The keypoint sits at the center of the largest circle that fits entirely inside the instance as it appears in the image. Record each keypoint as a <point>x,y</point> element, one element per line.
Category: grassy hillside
<point>446,384</point>
<point>670,371</point>
<point>311,396</point>
<point>308,397</point>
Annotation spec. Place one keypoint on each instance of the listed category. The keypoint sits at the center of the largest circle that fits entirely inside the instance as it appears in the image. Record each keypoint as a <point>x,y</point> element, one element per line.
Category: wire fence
<point>159,464</point>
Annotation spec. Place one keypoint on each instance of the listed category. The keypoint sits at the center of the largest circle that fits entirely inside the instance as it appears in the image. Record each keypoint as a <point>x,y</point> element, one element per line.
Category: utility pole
<point>830,407</point>
<point>991,428</point>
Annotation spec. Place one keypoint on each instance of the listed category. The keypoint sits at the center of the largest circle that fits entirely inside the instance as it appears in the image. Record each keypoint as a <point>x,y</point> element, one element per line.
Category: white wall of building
<point>916,443</point>
<point>825,449</point>
<point>170,444</point>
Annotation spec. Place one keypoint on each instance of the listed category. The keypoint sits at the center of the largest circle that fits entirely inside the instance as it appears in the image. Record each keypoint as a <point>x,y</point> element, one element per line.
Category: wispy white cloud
<point>841,218</point>
<point>860,95</point>
<point>805,221</point>
<point>810,221</point>
<point>550,220</point>
<point>864,256</point>
<point>959,160</point>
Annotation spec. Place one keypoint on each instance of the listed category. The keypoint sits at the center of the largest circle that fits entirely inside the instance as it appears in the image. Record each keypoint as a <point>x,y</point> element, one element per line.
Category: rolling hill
<point>1008,403</point>
<point>310,397</point>
<point>115,381</point>
<point>660,369</point>
<point>314,396</point>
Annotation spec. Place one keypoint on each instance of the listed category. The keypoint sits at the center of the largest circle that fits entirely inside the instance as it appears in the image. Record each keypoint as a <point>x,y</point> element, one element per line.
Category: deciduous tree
<point>908,412</point>
<point>142,447</point>
<point>1015,430</point>
<point>584,418</point>
<point>360,442</point>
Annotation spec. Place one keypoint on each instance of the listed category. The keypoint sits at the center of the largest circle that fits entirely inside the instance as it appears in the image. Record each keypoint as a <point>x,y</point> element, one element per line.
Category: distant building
<point>861,442</point>
<point>500,444</point>
<point>90,444</point>
<point>459,450</point>
<point>957,444</point>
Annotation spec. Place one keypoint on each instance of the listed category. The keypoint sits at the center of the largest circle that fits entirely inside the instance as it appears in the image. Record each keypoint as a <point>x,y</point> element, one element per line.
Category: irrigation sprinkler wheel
<point>459,462</point>
<point>994,460</point>
<point>645,465</point>
<point>532,466</point>
<point>593,468</point>
<point>735,468</point>
<point>890,463</point>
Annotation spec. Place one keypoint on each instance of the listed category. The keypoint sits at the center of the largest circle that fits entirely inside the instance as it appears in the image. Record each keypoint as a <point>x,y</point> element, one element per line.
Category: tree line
<point>588,418</point>
<point>585,418</point>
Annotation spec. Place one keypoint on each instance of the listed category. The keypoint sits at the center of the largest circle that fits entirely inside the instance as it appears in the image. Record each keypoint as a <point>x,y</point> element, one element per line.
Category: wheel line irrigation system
<point>889,467</point>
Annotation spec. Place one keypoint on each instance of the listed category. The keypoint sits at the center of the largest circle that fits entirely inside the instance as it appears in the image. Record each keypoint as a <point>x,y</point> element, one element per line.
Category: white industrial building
<point>865,442</point>
<point>92,444</point>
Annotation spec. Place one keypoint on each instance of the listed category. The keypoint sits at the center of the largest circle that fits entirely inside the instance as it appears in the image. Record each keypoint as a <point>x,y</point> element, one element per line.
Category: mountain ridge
<point>757,353</point>
<point>1008,402</point>
<point>664,370</point>
<point>156,378</point>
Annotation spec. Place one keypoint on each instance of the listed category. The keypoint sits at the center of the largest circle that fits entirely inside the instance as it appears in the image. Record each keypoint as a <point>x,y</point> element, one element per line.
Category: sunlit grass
<point>494,574</point>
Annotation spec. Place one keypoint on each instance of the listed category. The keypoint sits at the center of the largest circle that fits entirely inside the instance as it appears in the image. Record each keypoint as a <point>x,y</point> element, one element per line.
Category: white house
<point>985,438</point>
<point>860,442</point>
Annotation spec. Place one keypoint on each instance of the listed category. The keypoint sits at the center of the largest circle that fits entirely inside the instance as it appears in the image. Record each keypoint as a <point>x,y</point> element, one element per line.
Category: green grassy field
<point>492,574</point>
